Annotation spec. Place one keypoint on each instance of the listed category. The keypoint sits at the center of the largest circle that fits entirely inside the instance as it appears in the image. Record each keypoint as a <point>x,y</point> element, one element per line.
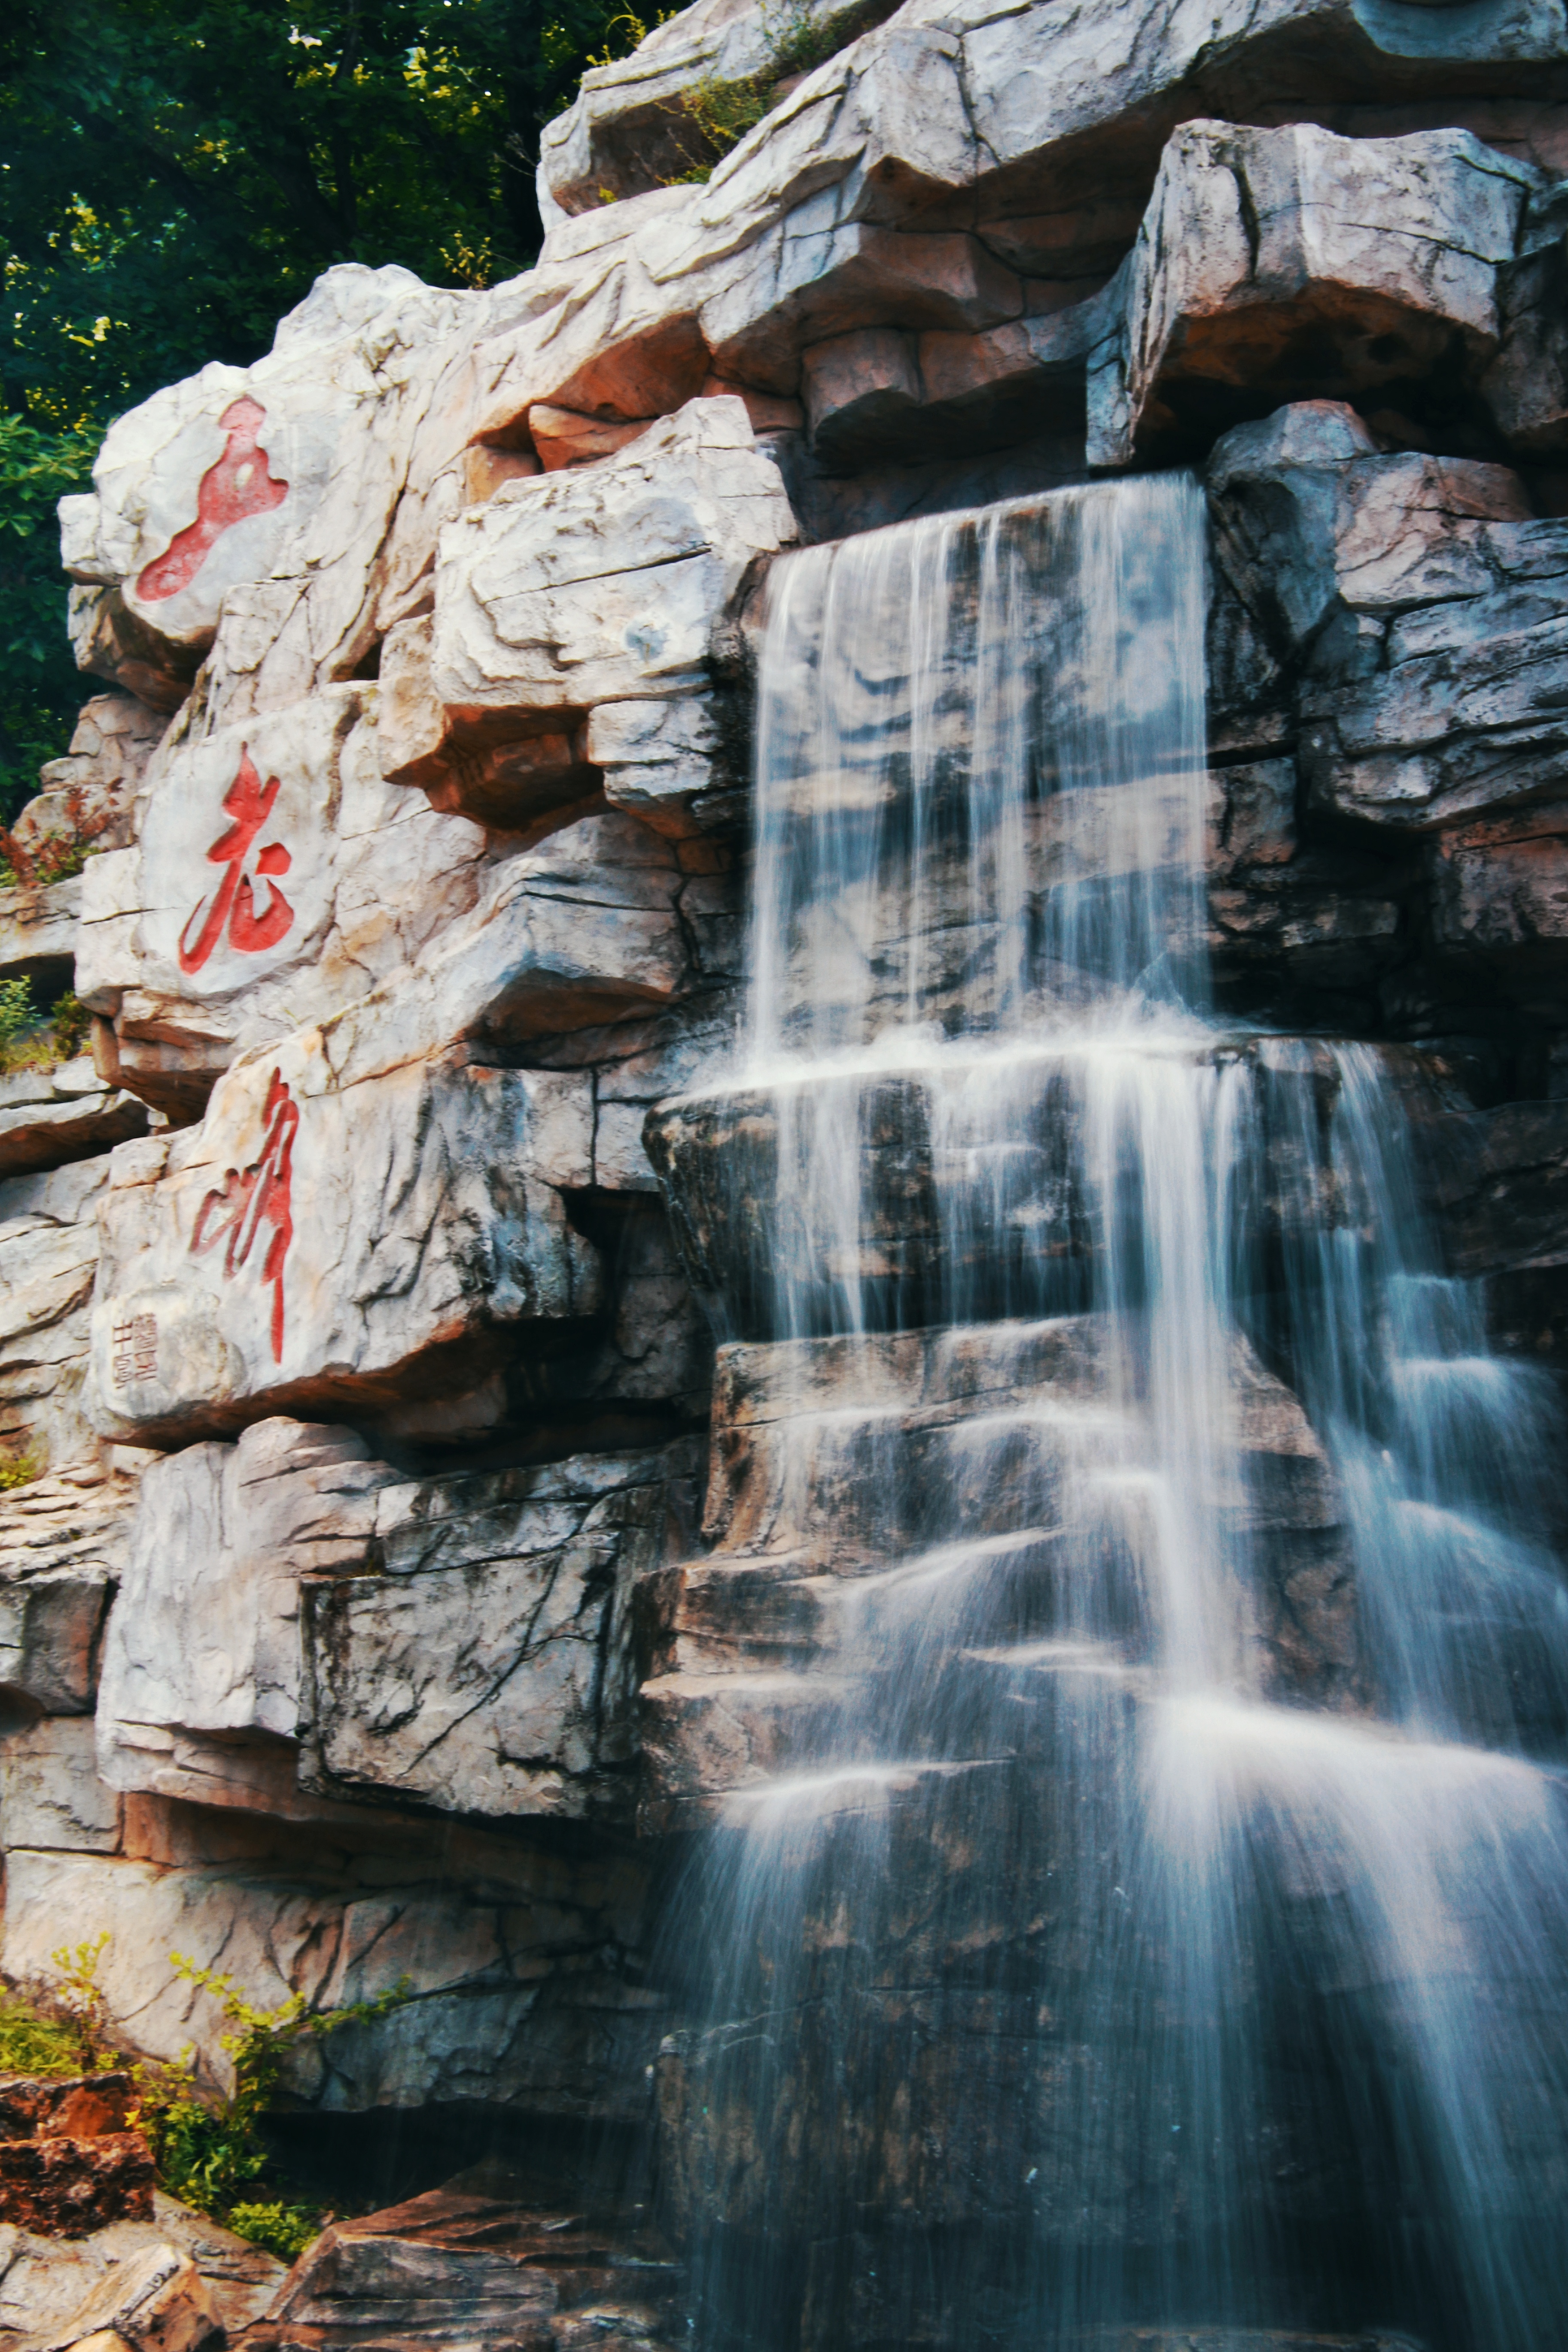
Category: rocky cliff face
<point>359,1621</point>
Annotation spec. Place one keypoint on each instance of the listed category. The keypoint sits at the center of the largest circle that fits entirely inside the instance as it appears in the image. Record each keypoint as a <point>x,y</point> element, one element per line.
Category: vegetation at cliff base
<point>209,2148</point>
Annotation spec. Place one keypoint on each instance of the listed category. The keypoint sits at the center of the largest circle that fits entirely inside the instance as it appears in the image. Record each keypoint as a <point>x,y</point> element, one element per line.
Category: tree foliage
<point>175,173</point>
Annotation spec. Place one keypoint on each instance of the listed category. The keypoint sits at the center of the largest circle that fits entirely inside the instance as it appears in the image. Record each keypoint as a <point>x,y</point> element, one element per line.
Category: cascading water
<point>1160,1911</point>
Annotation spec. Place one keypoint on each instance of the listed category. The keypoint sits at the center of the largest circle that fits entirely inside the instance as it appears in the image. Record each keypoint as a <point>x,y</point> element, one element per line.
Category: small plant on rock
<point>209,2151</point>
<point>33,2044</point>
<point>35,1039</point>
<point>81,2001</point>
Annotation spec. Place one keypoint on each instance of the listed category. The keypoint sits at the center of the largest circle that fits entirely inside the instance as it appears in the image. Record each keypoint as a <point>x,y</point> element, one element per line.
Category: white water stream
<point>1300,1969</point>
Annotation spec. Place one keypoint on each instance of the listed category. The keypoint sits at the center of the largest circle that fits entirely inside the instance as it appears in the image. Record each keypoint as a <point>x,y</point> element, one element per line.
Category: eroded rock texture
<point>393,1583</point>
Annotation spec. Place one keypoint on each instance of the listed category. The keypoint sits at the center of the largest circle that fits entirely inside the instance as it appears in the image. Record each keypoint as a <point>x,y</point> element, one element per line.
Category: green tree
<point>173,174</point>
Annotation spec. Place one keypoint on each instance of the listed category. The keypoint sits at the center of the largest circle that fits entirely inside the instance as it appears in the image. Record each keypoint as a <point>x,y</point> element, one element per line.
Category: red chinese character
<point>249,802</point>
<point>250,1197</point>
<point>237,485</point>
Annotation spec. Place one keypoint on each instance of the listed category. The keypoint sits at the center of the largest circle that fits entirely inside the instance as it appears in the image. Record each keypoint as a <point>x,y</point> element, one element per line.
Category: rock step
<point>469,2266</point>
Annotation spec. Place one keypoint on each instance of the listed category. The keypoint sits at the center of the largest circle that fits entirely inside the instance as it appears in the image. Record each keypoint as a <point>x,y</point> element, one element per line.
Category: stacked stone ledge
<point>343,1315</point>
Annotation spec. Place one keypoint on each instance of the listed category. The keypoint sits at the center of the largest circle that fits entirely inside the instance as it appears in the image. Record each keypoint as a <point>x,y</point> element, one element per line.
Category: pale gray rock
<point>1383,253</point>
<point>38,929</point>
<point>153,2298</point>
<point>487,1667</point>
<point>1426,605</point>
<point>660,761</point>
<point>201,1649</point>
<point>44,2281</point>
<point>50,1622</point>
<point>466,1639</point>
<point>110,644</point>
<point>49,1260</point>
<point>1023,108</point>
<point>87,795</point>
<point>521,1994</point>
<point>356,1209</point>
<point>949,390</point>
<point>52,1116</point>
<point>470,762</point>
<point>605,584</point>
<point>50,1794</point>
<point>825,272</point>
<point>626,126</point>
<point>225,506</point>
<point>275,877</point>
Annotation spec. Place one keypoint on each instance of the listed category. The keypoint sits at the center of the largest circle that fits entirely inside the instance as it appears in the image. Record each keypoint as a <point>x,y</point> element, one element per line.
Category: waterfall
<point>1158,1913</point>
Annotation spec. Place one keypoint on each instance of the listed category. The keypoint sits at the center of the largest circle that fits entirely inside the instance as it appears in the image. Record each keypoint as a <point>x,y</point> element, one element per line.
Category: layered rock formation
<point>361,1617</point>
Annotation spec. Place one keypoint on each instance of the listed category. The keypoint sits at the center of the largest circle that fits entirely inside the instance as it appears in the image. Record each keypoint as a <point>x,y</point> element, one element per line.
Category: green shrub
<point>31,2044</point>
<point>32,1038</point>
<point>18,1014</point>
<point>68,1021</point>
<point>721,112</point>
<point>209,2152</point>
<point>283,2230</point>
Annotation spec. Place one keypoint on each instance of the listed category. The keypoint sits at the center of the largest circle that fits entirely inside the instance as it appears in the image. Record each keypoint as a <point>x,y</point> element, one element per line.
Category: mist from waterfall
<point>1199,1686</point>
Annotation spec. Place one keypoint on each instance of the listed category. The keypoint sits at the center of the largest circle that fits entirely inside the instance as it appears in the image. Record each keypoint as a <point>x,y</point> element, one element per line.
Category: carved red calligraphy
<point>250,1198</point>
<point>249,802</point>
<point>236,486</point>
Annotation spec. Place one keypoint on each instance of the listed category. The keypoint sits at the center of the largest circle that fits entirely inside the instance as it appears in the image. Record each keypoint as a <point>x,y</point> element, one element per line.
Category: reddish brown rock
<point>62,2187</point>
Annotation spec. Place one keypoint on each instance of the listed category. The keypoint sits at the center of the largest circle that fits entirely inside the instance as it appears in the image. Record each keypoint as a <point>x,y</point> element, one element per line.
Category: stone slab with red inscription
<point>284,472</point>
<point>274,877</point>
<point>337,1238</point>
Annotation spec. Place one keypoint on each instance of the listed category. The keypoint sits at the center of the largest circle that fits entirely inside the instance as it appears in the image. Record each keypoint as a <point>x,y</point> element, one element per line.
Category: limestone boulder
<point>62,1548</point>
<point>354,1229</point>
<point>486,1665</point>
<point>876,392</point>
<point>628,128</point>
<point>1276,264</point>
<point>591,586</point>
<point>46,2280</point>
<point>1425,604</point>
<point>155,2300</point>
<point>51,1116</point>
<point>49,1260</point>
<point>200,1688</point>
<point>87,795</point>
<point>274,877</point>
<point>251,503</point>
<point>462,1640</point>
<point>517,1956</point>
<point>50,1623</point>
<point>50,1794</point>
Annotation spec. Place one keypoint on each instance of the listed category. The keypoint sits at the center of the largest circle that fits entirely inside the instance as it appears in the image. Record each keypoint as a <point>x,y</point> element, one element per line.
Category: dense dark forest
<point>173,173</point>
